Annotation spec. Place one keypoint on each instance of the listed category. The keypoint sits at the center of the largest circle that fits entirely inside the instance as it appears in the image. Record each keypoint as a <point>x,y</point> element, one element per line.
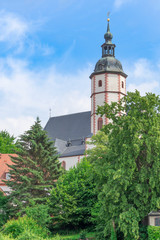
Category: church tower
<point>108,81</point>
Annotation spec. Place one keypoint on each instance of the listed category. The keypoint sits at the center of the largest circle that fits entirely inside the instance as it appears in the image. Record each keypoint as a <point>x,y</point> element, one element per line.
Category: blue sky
<point>48,49</point>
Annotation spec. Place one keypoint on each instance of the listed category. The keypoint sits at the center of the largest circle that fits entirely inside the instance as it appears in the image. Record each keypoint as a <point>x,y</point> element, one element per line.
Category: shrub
<point>39,212</point>
<point>16,227</point>
<point>143,235</point>
<point>13,228</point>
<point>153,233</point>
<point>2,237</point>
<point>28,236</point>
<point>83,235</point>
<point>57,237</point>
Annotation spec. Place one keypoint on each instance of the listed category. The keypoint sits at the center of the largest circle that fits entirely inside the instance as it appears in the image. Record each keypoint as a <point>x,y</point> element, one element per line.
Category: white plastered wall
<point>113,82</point>
<point>71,161</point>
<point>151,220</point>
<point>110,91</point>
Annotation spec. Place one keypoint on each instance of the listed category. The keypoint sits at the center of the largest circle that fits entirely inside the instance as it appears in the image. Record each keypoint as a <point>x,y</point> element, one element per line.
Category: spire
<point>108,46</point>
<point>108,28</point>
<point>108,35</point>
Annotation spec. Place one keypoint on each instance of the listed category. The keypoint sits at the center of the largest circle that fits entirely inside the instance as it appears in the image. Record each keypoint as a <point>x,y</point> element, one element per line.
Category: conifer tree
<point>35,168</point>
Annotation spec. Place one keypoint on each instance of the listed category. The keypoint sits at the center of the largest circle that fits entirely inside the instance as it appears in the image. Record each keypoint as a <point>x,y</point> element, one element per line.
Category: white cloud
<point>12,29</point>
<point>143,76</point>
<point>26,94</point>
<point>16,125</point>
<point>119,3</point>
<point>16,34</point>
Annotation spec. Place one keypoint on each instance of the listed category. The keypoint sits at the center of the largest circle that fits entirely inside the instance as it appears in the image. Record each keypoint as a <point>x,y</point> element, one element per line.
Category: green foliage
<point>35,169</point>
<point>143,234</point>
<point>72,199</point>
<point>3,237</point>
<point>27,235</point>
<point>40,213</point>
<point>83,235</point>
<point>15,228</point>
<point>4,215</point>
<point>57,237</point>
<point>113,234</point>
<point>126,163</point>
<point>153,233</point>
<point>7,143</point>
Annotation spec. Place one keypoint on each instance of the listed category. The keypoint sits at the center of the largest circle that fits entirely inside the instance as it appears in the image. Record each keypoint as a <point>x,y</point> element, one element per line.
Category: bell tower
<point>108,81</point>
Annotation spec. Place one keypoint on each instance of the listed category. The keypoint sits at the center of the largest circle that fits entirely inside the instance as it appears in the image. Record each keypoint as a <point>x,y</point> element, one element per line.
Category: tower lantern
<point>108,81</point>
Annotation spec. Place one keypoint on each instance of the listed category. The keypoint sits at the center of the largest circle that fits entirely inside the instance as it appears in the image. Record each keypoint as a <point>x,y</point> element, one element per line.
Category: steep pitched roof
<point>71,126</point>
<point>4,160</point>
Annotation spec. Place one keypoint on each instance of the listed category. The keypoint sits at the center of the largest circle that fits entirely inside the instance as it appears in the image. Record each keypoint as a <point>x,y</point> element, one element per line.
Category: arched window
<point>100,83</point>
<point>122,84</point>
<point>63,165</point>
<point>100,123</point>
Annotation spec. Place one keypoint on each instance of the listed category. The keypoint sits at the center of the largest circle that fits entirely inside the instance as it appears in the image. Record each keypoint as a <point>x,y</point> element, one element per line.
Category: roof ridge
<point>70,114</point>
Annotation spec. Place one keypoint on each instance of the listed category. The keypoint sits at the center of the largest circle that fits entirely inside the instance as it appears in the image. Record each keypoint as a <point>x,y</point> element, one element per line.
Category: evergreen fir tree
<point>35,169</point>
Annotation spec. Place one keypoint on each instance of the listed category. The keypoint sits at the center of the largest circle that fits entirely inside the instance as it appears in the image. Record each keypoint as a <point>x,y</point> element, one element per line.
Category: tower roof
<point>108,62</point>
<point>108,35</point>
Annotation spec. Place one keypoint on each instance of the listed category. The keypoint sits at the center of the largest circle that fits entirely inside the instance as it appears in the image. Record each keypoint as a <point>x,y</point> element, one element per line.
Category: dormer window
<point>69,143</point>
<point>83,141</point>
<point>100,67</point>
<point>100,83</point>
<point>8,176</point>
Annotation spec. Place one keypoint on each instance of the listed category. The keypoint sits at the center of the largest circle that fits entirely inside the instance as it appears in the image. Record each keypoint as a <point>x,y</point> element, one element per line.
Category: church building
<point>108,84</point>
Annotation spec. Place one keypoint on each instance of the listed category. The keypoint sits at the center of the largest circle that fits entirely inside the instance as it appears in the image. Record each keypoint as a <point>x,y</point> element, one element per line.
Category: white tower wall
<point>111,89</point>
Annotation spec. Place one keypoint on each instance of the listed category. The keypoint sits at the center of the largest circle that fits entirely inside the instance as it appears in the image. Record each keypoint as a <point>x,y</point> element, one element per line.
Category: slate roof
<point>69,132</point>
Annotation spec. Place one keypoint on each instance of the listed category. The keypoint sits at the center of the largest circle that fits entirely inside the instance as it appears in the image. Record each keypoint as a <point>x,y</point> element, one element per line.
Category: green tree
<point>7,143</point>
<point>34,170</point>
<point>72,199</point>
<point>38,212</point>
<point>4,215</point>
<point>126,163</point>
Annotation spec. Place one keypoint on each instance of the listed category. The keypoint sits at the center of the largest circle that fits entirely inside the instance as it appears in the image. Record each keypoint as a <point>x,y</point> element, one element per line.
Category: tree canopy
<point>73,198</point>
<point>126,163</point>
<point>7,143</point>
<point>35,169</point>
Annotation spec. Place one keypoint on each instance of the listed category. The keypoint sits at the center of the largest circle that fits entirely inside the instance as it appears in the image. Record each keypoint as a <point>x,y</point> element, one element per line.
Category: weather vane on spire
<point>108,19</point>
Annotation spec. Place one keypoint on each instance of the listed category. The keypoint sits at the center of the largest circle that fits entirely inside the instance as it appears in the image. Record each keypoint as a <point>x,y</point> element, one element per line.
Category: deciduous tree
<point>73,198</point>
<point>126,162</point>
<point>7,143</point>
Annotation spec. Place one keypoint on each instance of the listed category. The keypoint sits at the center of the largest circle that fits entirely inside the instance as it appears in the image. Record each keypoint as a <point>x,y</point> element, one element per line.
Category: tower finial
<point>108,35</point>
<point>108,19</point>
